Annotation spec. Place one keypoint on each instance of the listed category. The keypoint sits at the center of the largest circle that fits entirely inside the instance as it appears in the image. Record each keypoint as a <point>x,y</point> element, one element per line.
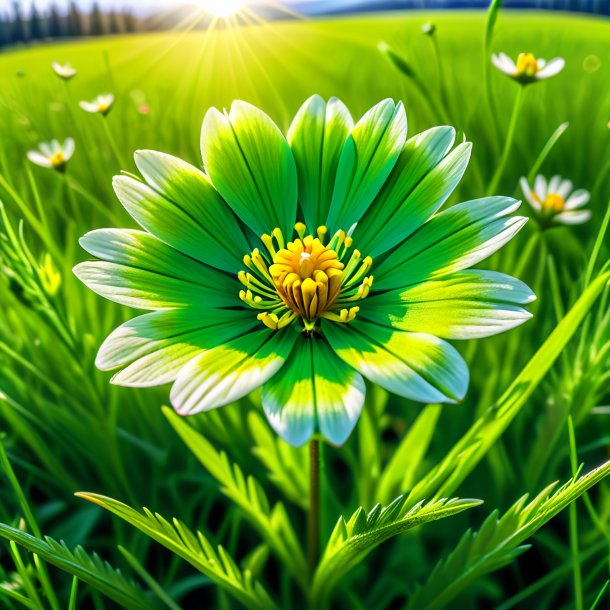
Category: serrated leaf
<point>355,538</point>
<point>216,564</point>
<point>89,568</point>
<point>498,542</point>
<point>272,523</point>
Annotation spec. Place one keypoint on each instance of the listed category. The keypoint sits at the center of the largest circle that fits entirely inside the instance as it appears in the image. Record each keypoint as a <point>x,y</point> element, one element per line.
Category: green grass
<point>68,430</point>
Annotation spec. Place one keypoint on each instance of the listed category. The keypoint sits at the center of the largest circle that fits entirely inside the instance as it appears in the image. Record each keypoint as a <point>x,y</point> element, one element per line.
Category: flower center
<point>103,107</point>
<point>58,159</point>
<point>308,278</point>
<point>553,204</point>
<point>527,65</point>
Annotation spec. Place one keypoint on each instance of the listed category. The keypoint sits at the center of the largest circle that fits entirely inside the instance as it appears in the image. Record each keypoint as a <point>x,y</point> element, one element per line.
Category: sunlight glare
<point>222,8</point>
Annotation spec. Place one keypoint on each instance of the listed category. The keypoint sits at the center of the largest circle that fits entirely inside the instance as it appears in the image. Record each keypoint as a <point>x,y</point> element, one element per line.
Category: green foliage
<point>498,542</point>
<point>88,568</point>
<point>194,548</point>
<point>352,540</point>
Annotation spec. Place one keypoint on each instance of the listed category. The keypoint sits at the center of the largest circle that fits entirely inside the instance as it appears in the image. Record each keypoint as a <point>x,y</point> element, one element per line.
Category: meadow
<point>538,403</point>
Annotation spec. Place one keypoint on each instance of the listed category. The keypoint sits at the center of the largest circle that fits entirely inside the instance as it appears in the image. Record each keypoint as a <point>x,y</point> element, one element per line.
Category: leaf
<point>89,568</point>
<point>271,523</point>
<point>354,539</point>
<point>194,548</point>
<point>444,479</point>
<point>498,541</point>
<point>287,465</point>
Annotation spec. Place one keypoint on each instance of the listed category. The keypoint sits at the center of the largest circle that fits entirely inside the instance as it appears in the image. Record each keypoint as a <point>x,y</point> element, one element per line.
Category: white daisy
<point>528,69</point>
<point>53,155</point>
<point>65,71</point>
<point>554,202</point>
<point>101,104</point>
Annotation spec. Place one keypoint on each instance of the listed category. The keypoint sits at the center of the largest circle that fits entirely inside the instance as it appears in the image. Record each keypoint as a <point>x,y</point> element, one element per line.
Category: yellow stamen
<point>553,204</point>
<point>58,159</point>
<point>527,65</point>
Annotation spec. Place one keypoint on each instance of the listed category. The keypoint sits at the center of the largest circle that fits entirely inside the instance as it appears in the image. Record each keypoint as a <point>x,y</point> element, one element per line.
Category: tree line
<point>17,27</point>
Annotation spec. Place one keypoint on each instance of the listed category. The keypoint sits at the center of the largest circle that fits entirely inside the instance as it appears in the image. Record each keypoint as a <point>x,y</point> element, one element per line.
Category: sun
<point>222,8</point>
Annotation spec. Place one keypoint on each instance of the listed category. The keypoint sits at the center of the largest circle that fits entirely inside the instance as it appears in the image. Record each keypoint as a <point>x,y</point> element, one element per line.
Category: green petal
<point>466,305</point>
<point>180,206</point>
<point>316,137</point>
<point>154,347</point>
<point>413,365</point>
<point>251,165</point>
<point>313,389</point>
<point>422,180</point>
<point>229,372</point>
<point>451,241</point>
<point>140,271</point>
<point>367,158</point>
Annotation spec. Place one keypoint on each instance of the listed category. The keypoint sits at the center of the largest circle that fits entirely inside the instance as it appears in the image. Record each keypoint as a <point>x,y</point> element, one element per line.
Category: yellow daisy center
<point>527,65</point>
<point>103,107</point>
<point>553,204</point>
<point>309,278</point>
<point>57,159</point>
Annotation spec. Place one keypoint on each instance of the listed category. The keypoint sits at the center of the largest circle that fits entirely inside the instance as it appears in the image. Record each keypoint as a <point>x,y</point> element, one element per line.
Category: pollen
<point>553,204</point>
<point>309,278</point>
<point>58,159</point>
<point>527,65</point>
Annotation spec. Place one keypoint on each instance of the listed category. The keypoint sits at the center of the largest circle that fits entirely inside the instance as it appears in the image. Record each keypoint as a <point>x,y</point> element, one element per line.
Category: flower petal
<point>565,188</point>
<point>413,365</point>
<point>455,239</point>
<point>182,208</point>
<point>69,148</point>
<point>367,158</point>
<point>39,159</point>
<point>540,187</point>
<point>555,66</point>
<point>554,183</point>
<point>154,347</point>
<point>251,165</point>
<point>316,137</point>
<point>314,387</point>
<point>577,199</point>
<point>230,371</point>
<point>140,271</point>
<point>409,198</point>
<point>529,195</point>
<point>572,217</point>
<point>466,305</point>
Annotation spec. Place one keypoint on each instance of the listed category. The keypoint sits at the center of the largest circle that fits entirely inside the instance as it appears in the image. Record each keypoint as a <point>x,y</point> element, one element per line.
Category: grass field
<point>67,429</point>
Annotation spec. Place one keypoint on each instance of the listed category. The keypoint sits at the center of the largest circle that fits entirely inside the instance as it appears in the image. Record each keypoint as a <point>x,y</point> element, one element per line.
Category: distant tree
<point>75,21</point>
<point>96,21</point>
<point>5,38</point>
<point>115,23</point>
<point>130,22</point>
<point>54,22</point>
<point>37,24</point>
<point>18,33</point>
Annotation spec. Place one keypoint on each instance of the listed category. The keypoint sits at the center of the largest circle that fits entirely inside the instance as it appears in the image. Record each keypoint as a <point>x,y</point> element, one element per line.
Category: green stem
<point>510,136</point>
<point>578,600</point>
<point>113,144</point>
<point>314,504</point>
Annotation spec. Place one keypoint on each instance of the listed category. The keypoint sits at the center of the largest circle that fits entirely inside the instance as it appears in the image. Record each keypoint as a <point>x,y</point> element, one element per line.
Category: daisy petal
<point>316,137</point>
<point>554,183</point>
<point>572,217</point>
<point>229,372</point>
<point>527,193</point>
<point>139,271</point>
<point>413,365</point>
<point>39,159</point>
<point>540,187</point>
<point>182,208</point>
<point>577,199</point>
<point>367,158</point>
<point>421,181</point>
<point>154,347</point>
<point>251,165</point>
<point>466,305</point>
<point>451,241</point>
<point>564,188</point>
<point>315,388</point>
<point>553,67</point>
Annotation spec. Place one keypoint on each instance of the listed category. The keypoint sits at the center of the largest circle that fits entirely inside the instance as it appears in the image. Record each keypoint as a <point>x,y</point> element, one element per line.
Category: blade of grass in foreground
<point>444,479</point>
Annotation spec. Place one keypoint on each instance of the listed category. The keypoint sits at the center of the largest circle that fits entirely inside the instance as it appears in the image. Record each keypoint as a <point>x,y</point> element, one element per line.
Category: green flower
<point>304,265</point>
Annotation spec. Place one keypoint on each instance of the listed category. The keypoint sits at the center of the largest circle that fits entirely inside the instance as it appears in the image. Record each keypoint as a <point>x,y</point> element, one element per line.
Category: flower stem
<point>314,504</point>
<point>510,136</point>
<point>113,144</point>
